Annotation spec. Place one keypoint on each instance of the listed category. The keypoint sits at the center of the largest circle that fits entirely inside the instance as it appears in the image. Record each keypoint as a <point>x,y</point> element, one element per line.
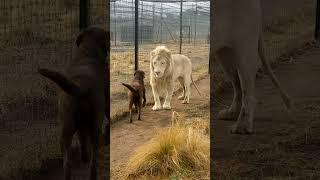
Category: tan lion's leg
<point>247,69</point>
<point>167,102</point>
<point>157,103</point>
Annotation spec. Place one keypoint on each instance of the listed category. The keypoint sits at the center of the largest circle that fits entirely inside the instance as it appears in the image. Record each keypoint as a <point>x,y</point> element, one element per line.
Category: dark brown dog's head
<point>138,74</point>
<point>95,40</point>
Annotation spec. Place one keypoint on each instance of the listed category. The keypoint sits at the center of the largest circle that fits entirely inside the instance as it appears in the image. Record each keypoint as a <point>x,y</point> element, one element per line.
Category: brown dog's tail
<point>61,80</point>
<point>129,87</point>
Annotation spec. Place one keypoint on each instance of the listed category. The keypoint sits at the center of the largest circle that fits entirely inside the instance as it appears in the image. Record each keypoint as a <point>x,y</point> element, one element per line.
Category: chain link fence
<point>158,24</point>
<point>287,26</point>
<point>34,33</point>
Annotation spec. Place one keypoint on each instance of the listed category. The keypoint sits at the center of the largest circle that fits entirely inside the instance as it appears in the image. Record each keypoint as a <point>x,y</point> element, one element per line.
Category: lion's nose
<point>157,72</point>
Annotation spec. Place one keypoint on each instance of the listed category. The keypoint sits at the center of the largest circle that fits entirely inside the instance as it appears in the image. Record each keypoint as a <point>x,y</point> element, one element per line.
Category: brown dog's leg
<point>130,108</point>
<point>65,143</point>
<point>83,138</point>
<point>94,154</point>
<point>139,108</point>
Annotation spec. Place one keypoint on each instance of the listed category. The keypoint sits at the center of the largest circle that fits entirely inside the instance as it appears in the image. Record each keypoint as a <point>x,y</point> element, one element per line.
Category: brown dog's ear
<point>80,38</point>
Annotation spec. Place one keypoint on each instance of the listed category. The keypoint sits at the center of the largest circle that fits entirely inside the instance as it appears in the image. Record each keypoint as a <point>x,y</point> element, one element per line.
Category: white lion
<point>165,68</point>
<point>238,44</point>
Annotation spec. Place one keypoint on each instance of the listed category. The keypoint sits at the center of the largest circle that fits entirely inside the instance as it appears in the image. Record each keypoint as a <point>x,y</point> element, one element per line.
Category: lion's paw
<point>166,106</point>
<point>181,97</point>
<point>227,114</point>
<point>185,102</point>
<point>156,107</point>
<point>242,128</point>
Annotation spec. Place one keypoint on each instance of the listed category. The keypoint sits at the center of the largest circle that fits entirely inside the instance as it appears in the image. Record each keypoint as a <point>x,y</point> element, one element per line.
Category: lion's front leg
<point>167,102</point>
<point>157,103</point>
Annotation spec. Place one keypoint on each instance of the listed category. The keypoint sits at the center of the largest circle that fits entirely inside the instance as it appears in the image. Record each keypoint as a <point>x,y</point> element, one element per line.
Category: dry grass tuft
<point>176,150</point>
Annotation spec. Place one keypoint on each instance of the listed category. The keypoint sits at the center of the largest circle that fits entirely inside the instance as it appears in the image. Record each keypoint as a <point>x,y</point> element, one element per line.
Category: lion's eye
<point>162,63</point>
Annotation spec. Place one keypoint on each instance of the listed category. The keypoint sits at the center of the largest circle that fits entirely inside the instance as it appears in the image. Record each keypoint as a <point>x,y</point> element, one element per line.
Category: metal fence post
<point>211,55</point>
<point>136,36</point>
<point>161,24</point>
<point>115,24</point>
<point>181,4</point>
<point>317,28</point>
<point>83,21</point>
<point>195,23</point>
<point>107,85</point>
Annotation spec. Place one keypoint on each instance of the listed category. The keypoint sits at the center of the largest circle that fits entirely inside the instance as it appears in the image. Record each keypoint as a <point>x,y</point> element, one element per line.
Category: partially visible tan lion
<point>165,68</point>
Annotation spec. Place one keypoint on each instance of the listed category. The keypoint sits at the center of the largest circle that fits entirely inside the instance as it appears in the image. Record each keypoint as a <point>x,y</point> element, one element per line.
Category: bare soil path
<point>281,147</point>
<point>126,137</point>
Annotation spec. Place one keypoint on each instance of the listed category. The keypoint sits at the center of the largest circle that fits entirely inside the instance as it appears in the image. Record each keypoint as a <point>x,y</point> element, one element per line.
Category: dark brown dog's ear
<point>80,38</point>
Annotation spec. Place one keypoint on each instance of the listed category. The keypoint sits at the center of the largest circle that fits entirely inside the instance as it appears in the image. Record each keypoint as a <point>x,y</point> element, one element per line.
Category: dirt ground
<point>126,137</point>
<point>281,147</point>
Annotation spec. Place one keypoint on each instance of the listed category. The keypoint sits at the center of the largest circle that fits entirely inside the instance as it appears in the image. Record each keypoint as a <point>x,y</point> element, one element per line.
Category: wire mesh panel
<point>33,33</point>
<point>159,24</point>
<point>287,24</point>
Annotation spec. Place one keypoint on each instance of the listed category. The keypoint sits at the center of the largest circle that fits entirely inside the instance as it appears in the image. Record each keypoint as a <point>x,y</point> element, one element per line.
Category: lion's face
<point>160,61</point>
<point>159,67</point>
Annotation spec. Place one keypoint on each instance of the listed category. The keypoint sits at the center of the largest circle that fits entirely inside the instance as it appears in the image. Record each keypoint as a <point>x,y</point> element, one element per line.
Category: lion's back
<point>181,64</point>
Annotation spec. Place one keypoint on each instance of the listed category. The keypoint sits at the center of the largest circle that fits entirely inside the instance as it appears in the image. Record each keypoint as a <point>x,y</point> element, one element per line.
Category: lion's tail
<point>272,76</point>
<point>195,86</point>
<point>129,87</point>
<point>61,80</point>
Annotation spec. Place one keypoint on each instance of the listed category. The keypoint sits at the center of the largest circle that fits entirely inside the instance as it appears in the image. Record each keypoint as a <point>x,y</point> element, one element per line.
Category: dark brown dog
<point>137,93</point>
<point>82,102</point>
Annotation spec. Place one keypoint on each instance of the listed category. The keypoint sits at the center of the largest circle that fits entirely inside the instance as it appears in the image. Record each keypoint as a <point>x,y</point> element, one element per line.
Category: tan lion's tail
<point>195,86</point>
<point>266,64</point>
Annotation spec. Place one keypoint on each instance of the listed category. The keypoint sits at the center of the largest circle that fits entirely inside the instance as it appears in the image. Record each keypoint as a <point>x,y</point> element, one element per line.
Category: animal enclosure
<point>34,33</point>
<point>40,33</point>
<point>169,23</point>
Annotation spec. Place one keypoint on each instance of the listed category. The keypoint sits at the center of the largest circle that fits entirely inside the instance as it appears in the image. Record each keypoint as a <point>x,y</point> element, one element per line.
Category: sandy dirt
<point>126,137</point>
<point>280,147</point>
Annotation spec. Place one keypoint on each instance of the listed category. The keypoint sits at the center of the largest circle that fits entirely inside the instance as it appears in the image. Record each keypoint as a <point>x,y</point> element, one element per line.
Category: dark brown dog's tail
<point>129,87</point>
<point>61,80</point>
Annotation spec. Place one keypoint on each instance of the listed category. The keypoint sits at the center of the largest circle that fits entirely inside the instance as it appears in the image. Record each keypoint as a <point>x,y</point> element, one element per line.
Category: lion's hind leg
<point>247,73</point>
<point>187,83</point>
<point>227,58</point>
<point>181,81</point>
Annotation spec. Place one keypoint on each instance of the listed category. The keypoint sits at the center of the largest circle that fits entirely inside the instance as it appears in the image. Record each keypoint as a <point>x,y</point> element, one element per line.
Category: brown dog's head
<point>95,40</point>
<point>138,74</point>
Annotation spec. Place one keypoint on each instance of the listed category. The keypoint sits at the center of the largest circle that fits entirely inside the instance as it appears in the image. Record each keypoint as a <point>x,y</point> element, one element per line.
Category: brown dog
<point>137,93</point>
<point>82,101</point>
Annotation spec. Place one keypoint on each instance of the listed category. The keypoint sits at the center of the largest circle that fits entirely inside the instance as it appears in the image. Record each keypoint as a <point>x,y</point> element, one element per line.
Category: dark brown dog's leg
<point>130,109</point>
<point>144,99</point>
<point>65,143</point>
<point>83,138</point>
<point>94,154</point>
<point>135,109</point>
<point>139,108</point>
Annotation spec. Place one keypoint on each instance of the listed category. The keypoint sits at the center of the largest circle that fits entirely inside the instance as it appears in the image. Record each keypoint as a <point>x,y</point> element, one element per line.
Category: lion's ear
<point>152,54</point>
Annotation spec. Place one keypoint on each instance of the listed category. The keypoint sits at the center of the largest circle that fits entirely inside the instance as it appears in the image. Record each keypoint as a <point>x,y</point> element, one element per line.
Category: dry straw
<point>179,149</point>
